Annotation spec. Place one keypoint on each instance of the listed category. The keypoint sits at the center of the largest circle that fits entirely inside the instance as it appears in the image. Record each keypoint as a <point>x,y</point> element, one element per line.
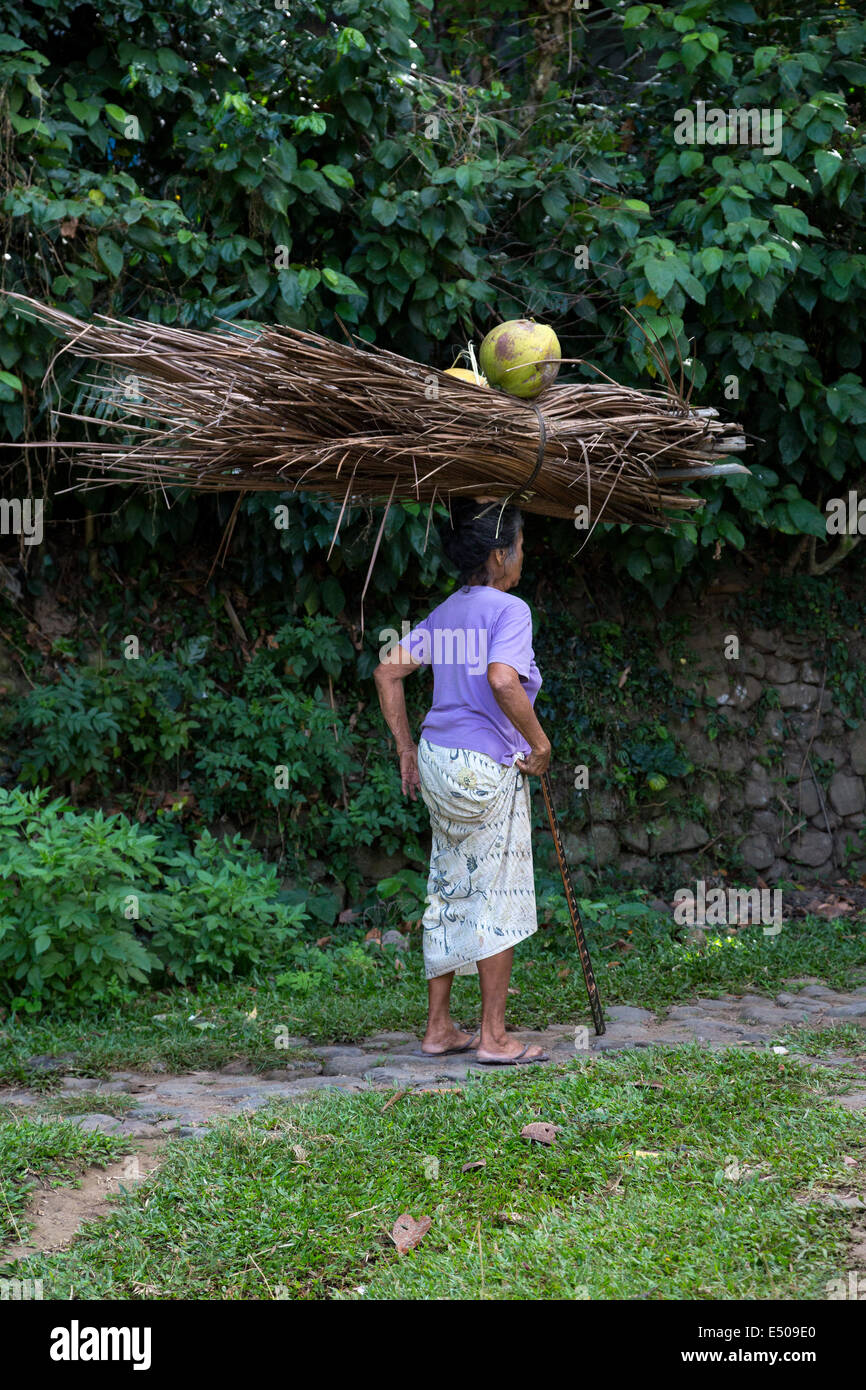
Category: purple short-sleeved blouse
<point>459,639</point>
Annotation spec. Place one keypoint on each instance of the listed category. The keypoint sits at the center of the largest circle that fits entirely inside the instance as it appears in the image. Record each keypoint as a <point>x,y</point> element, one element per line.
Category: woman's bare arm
<point>513,700</point>
<point>389,677</point>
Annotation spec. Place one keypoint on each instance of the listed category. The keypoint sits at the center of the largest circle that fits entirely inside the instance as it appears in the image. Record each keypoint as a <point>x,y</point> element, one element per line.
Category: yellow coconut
<point>521,356</point>
<point>464,374</point>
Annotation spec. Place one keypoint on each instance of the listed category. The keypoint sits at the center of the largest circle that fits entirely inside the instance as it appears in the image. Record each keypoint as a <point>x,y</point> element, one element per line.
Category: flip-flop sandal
<point>520,1060</point>
<point>470,1046</point>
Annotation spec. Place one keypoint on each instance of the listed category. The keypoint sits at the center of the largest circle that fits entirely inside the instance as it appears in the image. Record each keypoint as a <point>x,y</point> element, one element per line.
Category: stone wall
<point>778,793</point>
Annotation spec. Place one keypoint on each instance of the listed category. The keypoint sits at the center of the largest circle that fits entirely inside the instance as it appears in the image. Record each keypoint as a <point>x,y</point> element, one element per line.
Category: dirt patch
<point>857,1248</point>
<point>58,1213</point>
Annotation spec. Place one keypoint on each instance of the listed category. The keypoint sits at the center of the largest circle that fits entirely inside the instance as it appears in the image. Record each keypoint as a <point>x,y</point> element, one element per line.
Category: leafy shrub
<point>127,722</point>
<point>92,905</point>
<point>65,882</point>
<point>106,721</point>
<point>221,913</point>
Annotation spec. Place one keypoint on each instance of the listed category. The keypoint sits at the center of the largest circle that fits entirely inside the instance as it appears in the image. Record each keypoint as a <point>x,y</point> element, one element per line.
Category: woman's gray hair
<point>473,529</point>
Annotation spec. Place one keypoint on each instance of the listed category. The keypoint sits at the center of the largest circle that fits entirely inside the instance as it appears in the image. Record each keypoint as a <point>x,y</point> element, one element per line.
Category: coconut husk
<point>281,409</point>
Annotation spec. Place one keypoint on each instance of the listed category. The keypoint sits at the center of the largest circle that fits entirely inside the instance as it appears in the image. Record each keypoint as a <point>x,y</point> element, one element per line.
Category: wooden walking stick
<point>579,934</point>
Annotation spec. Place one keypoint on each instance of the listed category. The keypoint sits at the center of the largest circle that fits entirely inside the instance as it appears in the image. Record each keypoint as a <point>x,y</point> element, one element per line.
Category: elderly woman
<point>479,743</point>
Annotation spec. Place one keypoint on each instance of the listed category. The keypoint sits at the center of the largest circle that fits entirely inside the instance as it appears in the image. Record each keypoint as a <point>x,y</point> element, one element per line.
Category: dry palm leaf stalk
<point>281,409</point>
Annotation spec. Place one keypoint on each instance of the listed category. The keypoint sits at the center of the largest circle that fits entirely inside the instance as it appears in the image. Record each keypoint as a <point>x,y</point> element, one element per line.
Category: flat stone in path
<point>627,1013</point>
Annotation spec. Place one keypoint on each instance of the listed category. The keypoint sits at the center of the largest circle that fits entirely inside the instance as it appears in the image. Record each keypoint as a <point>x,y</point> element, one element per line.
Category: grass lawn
<point>638,959</point>
<point>676,1174</point>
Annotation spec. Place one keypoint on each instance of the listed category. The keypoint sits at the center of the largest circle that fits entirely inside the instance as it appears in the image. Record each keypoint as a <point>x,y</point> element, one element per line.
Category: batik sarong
<point>481,892</point>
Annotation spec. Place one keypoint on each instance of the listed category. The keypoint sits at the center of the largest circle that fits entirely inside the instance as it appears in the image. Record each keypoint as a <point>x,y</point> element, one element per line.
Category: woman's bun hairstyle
<point>473,530</point>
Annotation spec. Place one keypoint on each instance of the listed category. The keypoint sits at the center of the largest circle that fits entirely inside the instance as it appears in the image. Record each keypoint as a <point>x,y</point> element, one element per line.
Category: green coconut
<point>517,357</point>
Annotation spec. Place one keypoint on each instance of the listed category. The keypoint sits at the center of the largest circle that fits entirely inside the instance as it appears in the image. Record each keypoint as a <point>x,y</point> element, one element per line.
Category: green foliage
<point>91,906</point>
<point>65,882</point>
<point>406,892</point>
<point>108,722</point>
<point>272,748</point>
<point>755,252</point>
<point>599,685</point>
<point>369,164</point>
<point>221,912</point>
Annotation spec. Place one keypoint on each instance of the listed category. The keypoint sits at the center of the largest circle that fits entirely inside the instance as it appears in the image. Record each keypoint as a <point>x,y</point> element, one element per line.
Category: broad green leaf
<point>341,284</point>
<point>110,254</point>
<point>806,517</point>
<point>763,58</point>
<point>712,257</point>
<point>385,212</point>
<point>358,107</point>
<point>689,282</point>
<point>792,175</point>
<point>792,219</point>
<point>170,61</point>
<point>660,276</point>
<point>828,164</point>
<point>689,161</point>
<point>338,175</point>
<point>759,260</point>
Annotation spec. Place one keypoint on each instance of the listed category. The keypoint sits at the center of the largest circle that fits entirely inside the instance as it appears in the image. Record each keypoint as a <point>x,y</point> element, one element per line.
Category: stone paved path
<point>184,1105</point>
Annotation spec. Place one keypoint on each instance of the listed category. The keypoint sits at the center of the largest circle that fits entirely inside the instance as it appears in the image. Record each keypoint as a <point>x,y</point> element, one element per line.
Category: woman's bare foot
<point>507,1049</point>
<point>450,1039</point>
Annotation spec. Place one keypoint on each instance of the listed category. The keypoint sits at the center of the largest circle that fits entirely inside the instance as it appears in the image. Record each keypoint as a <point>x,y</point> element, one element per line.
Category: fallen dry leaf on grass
<point>374,934</point>
<point>323,941</point>
<point>540,1132</point>
<point>408,1232</point>
<point>348,915</point>
<point>398,1095</point>
<point>474,1163</point>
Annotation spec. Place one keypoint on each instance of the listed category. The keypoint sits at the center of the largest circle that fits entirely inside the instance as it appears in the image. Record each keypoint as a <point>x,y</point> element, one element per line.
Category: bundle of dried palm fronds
<point>280,409</point>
